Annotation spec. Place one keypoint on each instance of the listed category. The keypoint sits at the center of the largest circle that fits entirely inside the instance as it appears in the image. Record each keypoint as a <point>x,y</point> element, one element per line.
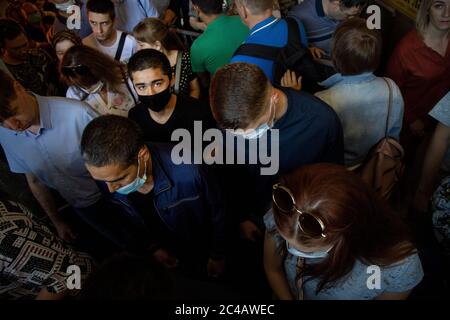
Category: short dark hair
<point>356,48</point>
<point>149,59</point>
<point>111,140</point>
<point>102,7</point>
<point>7,93</point>
<point>354,3</point>
<point>209,6</point>
<point>9,30</point>
<point>238,95</point>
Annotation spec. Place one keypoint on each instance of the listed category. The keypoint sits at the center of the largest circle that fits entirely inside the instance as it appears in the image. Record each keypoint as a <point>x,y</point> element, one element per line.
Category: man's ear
<point>144,153</point>
<point>274,95</point>
<point>242,10</point>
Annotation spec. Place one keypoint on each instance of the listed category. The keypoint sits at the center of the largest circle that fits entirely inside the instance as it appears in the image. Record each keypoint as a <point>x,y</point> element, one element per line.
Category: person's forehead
<point>149,75</point>
<point>66,43</point>
<point>99,17</point>
<point>110,172</point>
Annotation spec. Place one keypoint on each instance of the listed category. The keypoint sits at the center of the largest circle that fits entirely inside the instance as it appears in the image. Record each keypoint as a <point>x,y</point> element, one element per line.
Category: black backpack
<point>294,56</point>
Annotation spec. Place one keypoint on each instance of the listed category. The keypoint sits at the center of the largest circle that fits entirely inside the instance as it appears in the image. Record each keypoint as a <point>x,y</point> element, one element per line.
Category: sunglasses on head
<point>309,224</point>
<point>72,71</point>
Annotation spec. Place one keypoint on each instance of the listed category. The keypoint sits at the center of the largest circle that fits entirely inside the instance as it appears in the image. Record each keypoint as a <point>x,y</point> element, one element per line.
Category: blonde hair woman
<point>420,65</point>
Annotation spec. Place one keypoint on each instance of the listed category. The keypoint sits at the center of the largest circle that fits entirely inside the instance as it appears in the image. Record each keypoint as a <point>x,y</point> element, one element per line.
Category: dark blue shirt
<point>309,132</point>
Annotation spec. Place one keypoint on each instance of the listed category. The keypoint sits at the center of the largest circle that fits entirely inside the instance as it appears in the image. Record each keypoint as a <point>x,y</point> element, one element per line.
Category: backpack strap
<point>257,51</point>
<point>271,53</point>
<point>123,37</point>
<point>389,106</point>
<point>178,72</point>
<point>294,40</point>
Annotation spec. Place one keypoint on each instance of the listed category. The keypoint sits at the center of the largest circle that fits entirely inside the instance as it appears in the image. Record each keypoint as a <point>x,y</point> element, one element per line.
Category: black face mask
<point>158,101</point>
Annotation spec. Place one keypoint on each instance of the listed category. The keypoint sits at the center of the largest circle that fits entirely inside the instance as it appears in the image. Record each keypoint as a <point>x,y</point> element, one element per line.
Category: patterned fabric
<point>186,73</point>
<point>441,214</point>
<point>32,257</point>
<point>119,101</point>
<point>35,74</point>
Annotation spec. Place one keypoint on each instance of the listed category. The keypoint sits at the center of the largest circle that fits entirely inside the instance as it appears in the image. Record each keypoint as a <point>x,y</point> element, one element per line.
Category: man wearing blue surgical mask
<point>177,207</point>
<point>309,132</point>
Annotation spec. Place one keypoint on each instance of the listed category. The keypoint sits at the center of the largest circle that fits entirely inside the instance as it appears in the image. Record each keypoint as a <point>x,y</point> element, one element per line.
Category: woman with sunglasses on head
<point>97,79</point>
<point>152,33</point>
<point>329,237</point>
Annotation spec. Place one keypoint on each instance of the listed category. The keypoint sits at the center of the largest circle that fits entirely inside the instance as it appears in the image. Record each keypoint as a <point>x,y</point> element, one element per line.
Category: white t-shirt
<point>119,103</point>
<point>129,47</point>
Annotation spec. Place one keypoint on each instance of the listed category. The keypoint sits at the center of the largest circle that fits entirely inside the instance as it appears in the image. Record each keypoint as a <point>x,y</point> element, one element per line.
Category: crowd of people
<point>90,116</point>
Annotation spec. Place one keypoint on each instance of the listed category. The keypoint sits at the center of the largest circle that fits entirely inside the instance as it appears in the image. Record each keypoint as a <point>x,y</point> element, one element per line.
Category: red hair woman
<point>329,237</point>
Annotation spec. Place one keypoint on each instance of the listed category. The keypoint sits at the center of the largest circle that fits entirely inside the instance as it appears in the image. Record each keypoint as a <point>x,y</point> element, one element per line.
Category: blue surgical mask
<point>307,255</point>
<point>136,184</point>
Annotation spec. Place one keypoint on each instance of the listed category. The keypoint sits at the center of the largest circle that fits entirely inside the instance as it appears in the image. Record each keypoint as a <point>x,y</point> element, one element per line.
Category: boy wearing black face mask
<point>160,111</point>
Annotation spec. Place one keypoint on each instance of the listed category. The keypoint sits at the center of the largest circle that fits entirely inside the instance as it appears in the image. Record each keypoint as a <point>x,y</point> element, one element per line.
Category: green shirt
<point>215,47</point>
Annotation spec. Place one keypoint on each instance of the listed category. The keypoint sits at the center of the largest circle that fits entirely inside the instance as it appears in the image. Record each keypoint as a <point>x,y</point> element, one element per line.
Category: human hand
<point>64,231</point>
<point>290,80</point>
<point>166,258</point>
<point>216,268</point>
<point>317,53</point>
<point>417,128</point>
<point>250,231</point>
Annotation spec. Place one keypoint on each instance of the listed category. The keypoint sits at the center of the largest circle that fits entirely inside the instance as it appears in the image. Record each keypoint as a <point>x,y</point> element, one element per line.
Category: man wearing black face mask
<point>160,111</point>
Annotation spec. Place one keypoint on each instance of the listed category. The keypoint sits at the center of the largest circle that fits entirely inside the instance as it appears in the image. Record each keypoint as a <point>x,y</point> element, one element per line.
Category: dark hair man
<point>178,204</point>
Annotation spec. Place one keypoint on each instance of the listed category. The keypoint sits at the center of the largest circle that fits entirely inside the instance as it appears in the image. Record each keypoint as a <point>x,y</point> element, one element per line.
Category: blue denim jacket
<point>186,200</point>
<point>361,102</point>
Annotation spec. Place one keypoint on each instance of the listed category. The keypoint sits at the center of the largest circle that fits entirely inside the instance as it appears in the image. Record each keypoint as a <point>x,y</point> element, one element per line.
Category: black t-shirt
<point>187,110</point>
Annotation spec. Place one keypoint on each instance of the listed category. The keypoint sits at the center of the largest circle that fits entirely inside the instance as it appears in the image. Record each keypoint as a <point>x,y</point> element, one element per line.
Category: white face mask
<point>65,5</point>
<point>258,132</point>
<point>94,89</point>
<point>307,255</point>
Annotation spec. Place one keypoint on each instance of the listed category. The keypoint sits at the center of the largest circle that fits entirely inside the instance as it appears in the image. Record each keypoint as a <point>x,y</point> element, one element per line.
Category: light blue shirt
<point>397,278</point>
<point>441,112</point>
<point>361,103</point>
<point>130,12</point>
<point>53,155</point>
<point>270,32</point>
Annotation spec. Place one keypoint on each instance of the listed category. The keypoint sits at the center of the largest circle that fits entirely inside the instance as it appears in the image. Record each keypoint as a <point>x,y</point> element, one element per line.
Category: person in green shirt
<point>223,35</point>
